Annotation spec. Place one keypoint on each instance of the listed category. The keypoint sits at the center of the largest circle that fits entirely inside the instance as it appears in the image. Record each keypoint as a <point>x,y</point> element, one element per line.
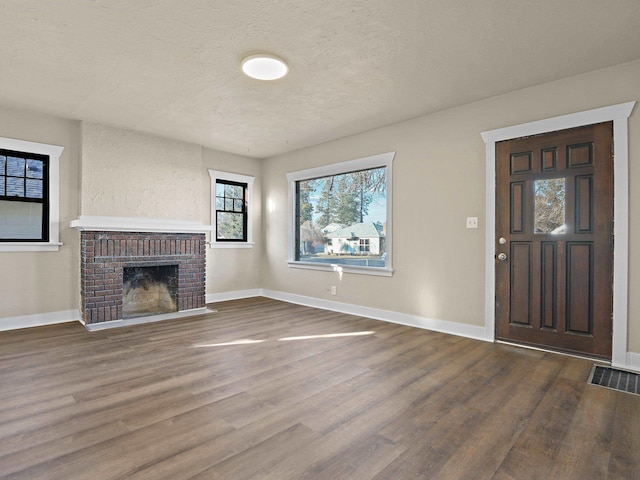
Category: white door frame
<point>619,114</point>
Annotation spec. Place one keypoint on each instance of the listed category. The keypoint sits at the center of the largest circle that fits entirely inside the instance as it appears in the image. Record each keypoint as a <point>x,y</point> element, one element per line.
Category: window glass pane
<point>550,206</point>
<point>15,187</point>
<point>24,196</point>
<point>341,219</point>
<point>229,226</point>
<point>34,188</point>
<point>15,166</point>
<point>228,204</point>
<point>20,220</point>
<point>219,203</point>
<point>237,205</point>
<point>219,190</point>
<point>35,168</point>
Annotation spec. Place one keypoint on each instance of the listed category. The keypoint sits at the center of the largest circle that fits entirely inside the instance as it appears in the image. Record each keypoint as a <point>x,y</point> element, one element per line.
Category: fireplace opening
<point>149,290</point>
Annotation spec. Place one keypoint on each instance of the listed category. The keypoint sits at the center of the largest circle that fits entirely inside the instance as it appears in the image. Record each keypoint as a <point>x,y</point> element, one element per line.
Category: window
<point>231,210</point>
<point>29,196</point>
<point>549,205</point>
<point>340,216</point>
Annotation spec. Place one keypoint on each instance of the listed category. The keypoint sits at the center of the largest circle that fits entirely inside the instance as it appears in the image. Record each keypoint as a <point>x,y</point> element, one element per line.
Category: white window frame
<point>53,152</point>
<point>232,177</point>
<point>366,163</point>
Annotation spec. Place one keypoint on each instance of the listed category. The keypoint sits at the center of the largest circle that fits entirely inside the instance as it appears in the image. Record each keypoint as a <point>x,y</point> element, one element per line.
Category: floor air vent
<point>615,379</point>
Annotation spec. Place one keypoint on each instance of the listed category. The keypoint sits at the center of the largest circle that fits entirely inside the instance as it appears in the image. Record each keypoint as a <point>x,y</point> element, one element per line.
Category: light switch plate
<point>472,222</point>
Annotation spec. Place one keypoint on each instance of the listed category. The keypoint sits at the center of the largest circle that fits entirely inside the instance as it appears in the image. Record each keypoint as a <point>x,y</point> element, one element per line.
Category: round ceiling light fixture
<point>263,66</point>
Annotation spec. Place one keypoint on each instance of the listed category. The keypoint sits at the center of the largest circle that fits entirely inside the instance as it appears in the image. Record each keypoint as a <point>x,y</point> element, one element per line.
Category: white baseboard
<point>39,319</point>
<point>443,326</point>
<point>93,327</point>
<point>633,361</point>
<point>237,295</point>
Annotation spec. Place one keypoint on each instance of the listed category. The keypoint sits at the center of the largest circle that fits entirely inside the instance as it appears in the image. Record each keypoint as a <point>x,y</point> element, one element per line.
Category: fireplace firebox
<point>149,290</point>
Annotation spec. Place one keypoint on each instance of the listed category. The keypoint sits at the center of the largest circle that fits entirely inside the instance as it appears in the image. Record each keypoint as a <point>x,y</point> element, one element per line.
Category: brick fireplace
<point>107,254</point>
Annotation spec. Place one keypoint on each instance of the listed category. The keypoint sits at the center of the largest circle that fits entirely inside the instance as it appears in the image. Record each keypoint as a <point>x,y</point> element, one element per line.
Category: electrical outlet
<point>472,222</point>
<point>334,290</point>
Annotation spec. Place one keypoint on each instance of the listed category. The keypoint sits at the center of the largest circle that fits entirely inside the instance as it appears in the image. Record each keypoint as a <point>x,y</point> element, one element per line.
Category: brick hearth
<point>104,254</point>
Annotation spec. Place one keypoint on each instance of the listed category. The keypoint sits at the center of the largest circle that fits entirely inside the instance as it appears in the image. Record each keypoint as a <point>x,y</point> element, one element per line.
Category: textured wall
<point>131,174</point>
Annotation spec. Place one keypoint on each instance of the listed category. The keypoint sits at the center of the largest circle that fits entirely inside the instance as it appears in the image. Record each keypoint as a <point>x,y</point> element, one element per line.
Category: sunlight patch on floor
<point>328,335</point>
<point>244,341</point>
<point>248,341</point>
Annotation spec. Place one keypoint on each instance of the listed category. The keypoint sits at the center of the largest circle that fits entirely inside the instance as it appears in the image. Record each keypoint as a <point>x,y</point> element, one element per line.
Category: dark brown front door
<point>554,240</point>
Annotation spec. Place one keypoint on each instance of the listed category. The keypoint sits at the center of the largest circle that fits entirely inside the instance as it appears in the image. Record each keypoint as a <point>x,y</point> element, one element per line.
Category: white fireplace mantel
<point>137,224</point>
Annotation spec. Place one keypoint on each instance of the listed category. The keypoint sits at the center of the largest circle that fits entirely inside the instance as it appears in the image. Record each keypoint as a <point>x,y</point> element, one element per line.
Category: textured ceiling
<point>171,67</point>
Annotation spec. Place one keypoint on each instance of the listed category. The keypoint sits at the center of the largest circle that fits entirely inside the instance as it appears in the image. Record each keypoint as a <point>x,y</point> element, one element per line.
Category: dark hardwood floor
<point>268,390</point>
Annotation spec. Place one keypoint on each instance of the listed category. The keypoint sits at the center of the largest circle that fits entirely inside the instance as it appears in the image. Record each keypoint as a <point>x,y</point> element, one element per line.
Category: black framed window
<point>231,211</point>
<point>24,197</point>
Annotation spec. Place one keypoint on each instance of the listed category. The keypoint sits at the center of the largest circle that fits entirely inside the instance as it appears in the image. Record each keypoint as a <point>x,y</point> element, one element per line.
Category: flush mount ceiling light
<point>264,67</point>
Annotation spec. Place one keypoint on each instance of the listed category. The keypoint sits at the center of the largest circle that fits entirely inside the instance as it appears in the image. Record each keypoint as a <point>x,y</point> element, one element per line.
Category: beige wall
<point>439,180</point>
<point>235,269</point>
<point>34,283</point>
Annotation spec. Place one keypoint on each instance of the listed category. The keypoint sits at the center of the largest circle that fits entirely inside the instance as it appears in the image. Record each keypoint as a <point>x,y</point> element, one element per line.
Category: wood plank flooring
<point>269,390</point>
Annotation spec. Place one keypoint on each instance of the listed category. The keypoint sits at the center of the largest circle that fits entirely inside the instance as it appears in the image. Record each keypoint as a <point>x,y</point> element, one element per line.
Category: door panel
<point>579,288</point>
<point>521,287</point>
<point>554,215</point>
<point>549,276</point>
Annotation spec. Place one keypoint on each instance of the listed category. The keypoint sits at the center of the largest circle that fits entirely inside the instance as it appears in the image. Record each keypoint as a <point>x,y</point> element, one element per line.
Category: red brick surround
<point>104,255</point>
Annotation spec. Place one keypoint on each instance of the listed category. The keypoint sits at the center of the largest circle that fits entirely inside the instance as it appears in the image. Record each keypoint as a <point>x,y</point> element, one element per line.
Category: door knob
<point>502,257</point>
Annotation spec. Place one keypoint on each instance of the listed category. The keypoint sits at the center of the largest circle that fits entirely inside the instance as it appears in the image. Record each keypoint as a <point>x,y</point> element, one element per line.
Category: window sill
<point>377,271</point>
<point>30,246</point>
<point>231,244</point>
